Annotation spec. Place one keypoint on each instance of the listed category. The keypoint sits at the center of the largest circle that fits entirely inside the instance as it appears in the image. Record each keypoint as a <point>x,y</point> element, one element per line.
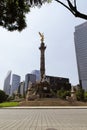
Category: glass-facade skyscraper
<point>37,73</point>
<point>15,83</point>
<point>80,37</point>
<point>29,78</point>
<point>7,83</point>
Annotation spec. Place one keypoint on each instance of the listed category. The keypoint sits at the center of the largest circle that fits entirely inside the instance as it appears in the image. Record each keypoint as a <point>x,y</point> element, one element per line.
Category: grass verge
<point>9,104</point>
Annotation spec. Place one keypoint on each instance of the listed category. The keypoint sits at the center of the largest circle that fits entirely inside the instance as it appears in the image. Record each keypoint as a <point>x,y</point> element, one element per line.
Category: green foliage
<point>80,94</point>
<point>85,96</point>
<point>3,96</point>
<point>63,93</point>
<point>9,104</point>
<point>12,14</point>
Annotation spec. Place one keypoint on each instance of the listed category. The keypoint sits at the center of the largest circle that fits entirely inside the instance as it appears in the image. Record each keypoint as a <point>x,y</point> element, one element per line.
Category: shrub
<point>85,96</point>
<point>80,94</point>
<point>63,93</point>
<point>3,96</point>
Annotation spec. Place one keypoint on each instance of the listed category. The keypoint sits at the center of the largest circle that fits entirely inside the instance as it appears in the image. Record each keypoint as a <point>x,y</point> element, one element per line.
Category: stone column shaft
<point>42,60</point>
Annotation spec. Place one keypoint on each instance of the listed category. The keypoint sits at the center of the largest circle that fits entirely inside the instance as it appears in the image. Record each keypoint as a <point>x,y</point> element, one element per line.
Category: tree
<point>3,96</point>
<point>71,5</point>
<point>13,12</point>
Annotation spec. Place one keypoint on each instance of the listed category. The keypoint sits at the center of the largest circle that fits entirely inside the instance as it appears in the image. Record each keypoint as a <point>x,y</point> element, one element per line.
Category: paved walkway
<point>43,119</point>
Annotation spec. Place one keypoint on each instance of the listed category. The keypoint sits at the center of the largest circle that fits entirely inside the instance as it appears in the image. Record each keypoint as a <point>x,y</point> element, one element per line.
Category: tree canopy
<point>3,96</point>
<point>13,12</point>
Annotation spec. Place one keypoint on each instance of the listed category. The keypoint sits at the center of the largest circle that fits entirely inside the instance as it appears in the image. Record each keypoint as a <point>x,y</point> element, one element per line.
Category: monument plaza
<point>43,119</point>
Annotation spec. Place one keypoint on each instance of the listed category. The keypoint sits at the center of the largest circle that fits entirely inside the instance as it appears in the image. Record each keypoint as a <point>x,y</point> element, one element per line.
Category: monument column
<point>42,56</point>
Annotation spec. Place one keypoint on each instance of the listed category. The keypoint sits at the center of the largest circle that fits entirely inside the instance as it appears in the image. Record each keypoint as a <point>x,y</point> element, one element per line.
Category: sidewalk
<point>43,118</point>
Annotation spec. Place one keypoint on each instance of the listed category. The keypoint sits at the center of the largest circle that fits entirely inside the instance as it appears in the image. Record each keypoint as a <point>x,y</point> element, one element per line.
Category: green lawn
<point>9,104</point>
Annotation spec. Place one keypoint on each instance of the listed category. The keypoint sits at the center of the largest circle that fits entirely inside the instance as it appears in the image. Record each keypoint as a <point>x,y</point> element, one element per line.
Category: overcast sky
<point>19,51</point>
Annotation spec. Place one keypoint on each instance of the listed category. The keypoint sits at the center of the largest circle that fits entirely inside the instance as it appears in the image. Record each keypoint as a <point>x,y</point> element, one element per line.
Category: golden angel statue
<point>41,36</point>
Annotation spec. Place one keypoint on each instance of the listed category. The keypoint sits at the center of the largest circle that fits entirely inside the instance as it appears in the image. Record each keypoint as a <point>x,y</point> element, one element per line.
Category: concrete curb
<point>47,107</point>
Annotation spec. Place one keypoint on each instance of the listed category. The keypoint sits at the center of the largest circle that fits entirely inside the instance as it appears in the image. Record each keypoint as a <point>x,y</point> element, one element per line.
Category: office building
<point>29,78</point>
<point>57,83</point>
<point>15,83</point>
<point>37,73</point>
<point>80,37</point>
<point>7,83</point>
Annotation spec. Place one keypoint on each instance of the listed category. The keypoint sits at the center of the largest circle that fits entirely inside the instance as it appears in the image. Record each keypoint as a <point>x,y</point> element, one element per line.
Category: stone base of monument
<point>43,89</point>
<point>39,90</point>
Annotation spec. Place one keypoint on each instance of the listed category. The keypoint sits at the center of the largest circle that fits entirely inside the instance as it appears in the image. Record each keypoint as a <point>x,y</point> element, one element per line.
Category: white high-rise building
<point>7,83</point>
<point>15,83</point>
<point>80,37</point>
